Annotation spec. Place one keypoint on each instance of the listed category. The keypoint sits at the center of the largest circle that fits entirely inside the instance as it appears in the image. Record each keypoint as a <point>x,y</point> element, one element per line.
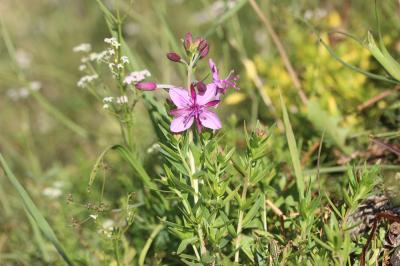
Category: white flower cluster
<point>101,56</point>
<point>136,77</point>
<point>122,99</point>
<point>113,41</point>
<point>107,100</point>
<point>107,228</point>
<point>83,47</point>
<point>119,100</point>
<point>85,80</point>
<point>24,92</point>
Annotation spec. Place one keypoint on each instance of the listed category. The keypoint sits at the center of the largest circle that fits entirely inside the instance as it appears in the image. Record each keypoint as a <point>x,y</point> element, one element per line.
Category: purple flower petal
<point>214,70</point>
<point>193,93</point>
<point>210,94</point>
<point>210,119</point>
<point>180,97</point>
<point>181,123</point>
<point>180,112</point>
<point>212,103</point>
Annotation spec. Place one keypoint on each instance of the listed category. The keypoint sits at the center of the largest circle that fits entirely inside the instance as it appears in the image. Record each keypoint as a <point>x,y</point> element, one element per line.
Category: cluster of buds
<point>196,49</point>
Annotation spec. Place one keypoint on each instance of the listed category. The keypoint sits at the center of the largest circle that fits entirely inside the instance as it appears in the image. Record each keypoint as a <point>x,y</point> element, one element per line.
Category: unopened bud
<point>188,40</point>
<point>173,57</point>
<point>146,86</point>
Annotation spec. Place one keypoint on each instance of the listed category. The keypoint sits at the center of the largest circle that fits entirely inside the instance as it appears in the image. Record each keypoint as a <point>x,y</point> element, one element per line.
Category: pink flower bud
<point>146,86</point>
<point>173,57</point>
<point>188,40</point>
<point>204,51</point>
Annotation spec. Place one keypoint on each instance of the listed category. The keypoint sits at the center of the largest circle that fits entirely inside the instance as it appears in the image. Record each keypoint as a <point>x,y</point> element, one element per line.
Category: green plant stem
<point>116,251</point>
<point>195,186</point>
<point>147,245</point>
<point>240,221</point>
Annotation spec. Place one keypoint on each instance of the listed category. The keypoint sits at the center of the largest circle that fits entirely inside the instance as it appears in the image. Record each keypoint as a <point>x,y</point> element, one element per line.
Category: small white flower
<point>23,92</point>
<point>93,216</point>
<point>120,66</point>
<point>108,224</point>
<point>122,99</point>
<point>111,51</point>
<point>85,80</point>
<point>106,106</point>
<point>124,59</point>
<point>108,99</point>
<point>52,192</point>
<point>113,41</point>
<point>35,85</point>
<point>83,47</point>
<point>111,66</point>
<point>82,67</point>
<point>136,76</point>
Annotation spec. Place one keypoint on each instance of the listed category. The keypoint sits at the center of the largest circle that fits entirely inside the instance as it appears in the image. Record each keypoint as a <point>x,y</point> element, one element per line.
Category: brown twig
<point>310,152</point>
<point>377,98</point>
<point>389,147</point>
<point>275,38</point>
<point>390,216</point>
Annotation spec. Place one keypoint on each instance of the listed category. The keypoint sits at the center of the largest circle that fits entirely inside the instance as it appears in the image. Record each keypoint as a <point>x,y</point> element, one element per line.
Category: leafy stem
<point>241,214</point>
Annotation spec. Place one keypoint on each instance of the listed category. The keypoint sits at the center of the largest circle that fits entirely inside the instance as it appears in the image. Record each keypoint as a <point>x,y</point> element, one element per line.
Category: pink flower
<point>193,107</point>
<point>222,84</point>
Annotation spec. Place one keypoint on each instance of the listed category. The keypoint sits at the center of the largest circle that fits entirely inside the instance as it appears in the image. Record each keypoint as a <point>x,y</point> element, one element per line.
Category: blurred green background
<point>54,162</point>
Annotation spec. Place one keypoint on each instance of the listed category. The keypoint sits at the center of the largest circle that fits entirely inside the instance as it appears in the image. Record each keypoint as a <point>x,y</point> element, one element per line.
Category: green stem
<point>147,245</point>
<point>240,221</point>
<point>116,251</point>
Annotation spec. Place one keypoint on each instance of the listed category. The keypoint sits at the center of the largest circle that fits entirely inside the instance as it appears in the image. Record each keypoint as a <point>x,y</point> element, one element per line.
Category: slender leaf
<point>294,153</point>
<point>34,212</point>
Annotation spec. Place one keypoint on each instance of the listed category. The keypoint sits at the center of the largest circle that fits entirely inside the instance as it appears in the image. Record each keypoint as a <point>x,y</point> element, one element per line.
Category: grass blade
<point>34,212</point>
<point>294,153</point>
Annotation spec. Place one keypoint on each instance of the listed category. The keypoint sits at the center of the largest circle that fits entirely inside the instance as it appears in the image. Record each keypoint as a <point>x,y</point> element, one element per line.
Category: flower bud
<point>146,86</point>
<point>203,48</point>
<point>174,57</point>
<point>188,41</point>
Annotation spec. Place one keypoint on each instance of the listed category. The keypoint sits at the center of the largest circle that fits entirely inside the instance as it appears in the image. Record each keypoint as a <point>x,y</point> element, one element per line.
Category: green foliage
<point>249,194</point>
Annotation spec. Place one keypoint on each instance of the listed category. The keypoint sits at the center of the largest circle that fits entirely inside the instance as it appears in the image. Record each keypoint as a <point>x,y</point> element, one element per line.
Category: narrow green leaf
<point>294,153</point>
<point>359,70</point>
<point>184,243</point>
<point>34,212</point>
<point>253,211</point>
